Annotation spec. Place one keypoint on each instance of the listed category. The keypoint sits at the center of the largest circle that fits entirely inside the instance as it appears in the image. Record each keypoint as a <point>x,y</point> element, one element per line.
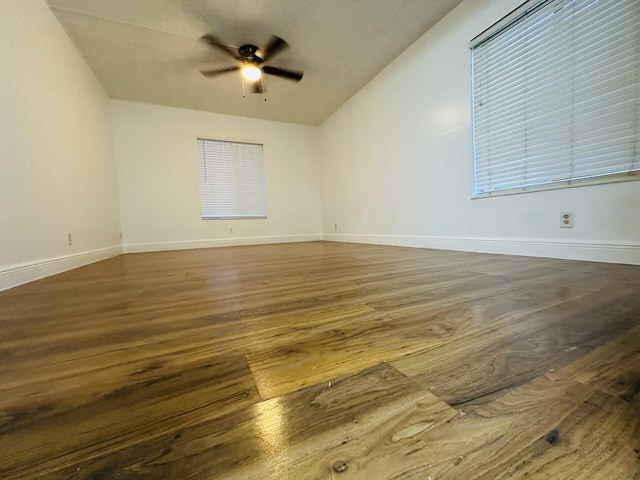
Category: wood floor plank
<point>473,368</point>
<point>63,420</point>
<point>330,350</point>
<point>613,367</point>
<point>156,365</point>
<point>297,436</point>
<point>548,428</point>
<point>374,425</point>
<point>601,436</point>
<point>414,320</point>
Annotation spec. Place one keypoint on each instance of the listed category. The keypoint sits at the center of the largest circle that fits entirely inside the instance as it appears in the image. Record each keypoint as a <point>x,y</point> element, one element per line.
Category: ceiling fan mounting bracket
<point>248,52</point>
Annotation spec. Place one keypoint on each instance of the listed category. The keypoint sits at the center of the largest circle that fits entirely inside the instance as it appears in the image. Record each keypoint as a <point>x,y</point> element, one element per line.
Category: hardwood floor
<point>323,361</point>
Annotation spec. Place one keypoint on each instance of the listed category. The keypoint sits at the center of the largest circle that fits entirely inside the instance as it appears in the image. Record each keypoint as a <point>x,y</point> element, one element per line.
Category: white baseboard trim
<point>618,252</point>
<point>14,275</point>
<point>610,252</point>
<point>218,242</point>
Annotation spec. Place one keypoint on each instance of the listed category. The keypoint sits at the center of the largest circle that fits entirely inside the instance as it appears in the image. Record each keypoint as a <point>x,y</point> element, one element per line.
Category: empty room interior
<point>341,239</point>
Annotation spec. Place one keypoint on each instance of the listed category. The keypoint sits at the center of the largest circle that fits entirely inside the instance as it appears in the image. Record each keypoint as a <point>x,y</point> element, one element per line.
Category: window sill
<point>618,178</point>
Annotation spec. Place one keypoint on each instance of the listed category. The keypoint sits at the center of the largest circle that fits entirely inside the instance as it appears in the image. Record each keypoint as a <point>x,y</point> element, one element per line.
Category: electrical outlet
<point>230,229</point>
<point>335,226</point>
<point>69,239</point>
<point>566,220</point>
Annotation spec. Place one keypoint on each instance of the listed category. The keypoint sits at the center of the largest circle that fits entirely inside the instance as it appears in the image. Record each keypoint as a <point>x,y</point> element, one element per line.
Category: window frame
<point>527,8</point>
<point>262,175</point>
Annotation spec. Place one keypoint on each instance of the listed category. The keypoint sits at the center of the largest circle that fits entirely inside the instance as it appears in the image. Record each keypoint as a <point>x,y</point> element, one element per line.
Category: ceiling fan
<point>252,61</point>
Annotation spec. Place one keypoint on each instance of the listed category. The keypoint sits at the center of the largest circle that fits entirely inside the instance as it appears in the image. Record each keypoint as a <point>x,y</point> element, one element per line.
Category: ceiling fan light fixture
<point>252,64</point>
<point>251,73</point>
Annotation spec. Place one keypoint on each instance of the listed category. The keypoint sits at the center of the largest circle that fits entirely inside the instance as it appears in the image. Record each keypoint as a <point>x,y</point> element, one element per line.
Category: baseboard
<point>610,252</point>
<point>15,275</point>
<point>218,242</point>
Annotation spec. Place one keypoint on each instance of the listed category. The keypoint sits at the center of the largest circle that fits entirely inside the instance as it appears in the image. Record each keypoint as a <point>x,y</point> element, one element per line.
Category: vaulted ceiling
<point>149,50</point>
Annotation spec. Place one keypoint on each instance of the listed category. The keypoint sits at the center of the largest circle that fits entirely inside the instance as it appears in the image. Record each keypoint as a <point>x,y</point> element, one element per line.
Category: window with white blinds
<point>556,96</point>
<point>232,180</point>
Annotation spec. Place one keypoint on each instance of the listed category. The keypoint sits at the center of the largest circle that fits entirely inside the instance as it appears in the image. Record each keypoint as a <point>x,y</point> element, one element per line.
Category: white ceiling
<point>148,50</point>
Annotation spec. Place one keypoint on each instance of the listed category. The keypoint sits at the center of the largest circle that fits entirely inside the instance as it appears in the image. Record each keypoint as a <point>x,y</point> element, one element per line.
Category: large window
<point>556,96</point>
<point>232,180</point>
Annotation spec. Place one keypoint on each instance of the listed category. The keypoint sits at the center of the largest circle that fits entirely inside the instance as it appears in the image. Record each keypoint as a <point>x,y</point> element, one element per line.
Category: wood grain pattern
<point>216,364</point>
<point>517,349</point>
<point>545,429</point>
<point>348,418</point>
<point>613,367</point>
<point>71,419</point>
<point>375,424</point>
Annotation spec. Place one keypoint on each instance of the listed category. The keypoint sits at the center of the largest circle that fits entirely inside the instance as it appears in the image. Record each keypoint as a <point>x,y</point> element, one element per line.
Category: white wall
<point>157,162</point>
<point>394,164</point>
<point>397,165</point>
<point>57,173</point>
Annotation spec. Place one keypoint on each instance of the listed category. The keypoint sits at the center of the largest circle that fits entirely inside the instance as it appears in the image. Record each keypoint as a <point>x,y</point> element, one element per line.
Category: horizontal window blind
<point>232,180</point>
<point>556,96</point>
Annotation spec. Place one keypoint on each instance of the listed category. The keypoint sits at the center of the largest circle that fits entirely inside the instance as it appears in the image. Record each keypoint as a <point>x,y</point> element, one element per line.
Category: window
<point>232,180</point>
<point>556,96</point>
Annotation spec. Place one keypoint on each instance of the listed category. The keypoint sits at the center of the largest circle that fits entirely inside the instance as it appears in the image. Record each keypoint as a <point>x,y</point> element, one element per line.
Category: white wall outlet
<point>335,226</point>
<point>566,219</point>
<point>69,239</point>
<point>230,230</point>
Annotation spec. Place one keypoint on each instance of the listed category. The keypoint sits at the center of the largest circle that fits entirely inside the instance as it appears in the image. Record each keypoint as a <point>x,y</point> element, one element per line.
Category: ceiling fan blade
<point>216,43</point>
<point>283,72</point>
<point>275,46</point>
<point>218,71</point>
<point>257,87</point>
